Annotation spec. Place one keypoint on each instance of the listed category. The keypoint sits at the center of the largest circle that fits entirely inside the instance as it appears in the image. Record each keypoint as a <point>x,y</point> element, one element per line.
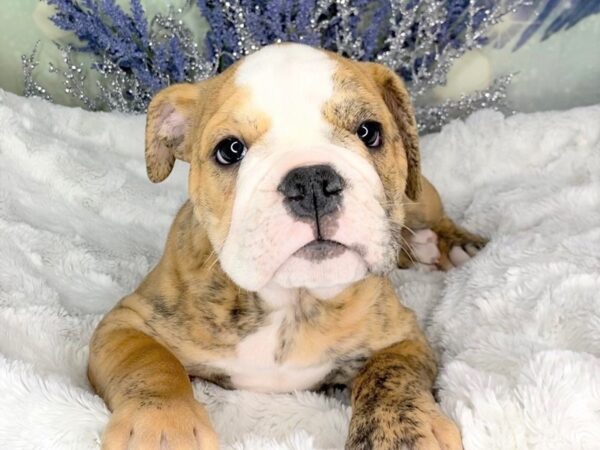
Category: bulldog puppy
<point>304,191</point>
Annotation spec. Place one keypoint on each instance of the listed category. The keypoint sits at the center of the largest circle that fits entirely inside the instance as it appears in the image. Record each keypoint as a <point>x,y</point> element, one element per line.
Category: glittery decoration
<point>30,87</point>
<point>419,39</point>
<point>126,77</point>
<point>432,117</point>
<point>428,64</point>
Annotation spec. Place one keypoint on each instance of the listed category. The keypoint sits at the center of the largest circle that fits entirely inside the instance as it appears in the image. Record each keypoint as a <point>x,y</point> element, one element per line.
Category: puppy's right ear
<point>168,123</point>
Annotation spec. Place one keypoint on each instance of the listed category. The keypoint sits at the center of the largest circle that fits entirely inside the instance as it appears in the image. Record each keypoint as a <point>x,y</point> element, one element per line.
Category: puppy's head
<point>300,162</point>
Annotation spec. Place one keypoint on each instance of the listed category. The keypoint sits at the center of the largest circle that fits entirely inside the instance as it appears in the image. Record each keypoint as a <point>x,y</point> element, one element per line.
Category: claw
<point>472,248</point>
<point>458,256</point>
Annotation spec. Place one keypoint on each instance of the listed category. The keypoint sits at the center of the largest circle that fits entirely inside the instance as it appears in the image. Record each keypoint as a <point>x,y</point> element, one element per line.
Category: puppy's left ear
<point>167,124</point>
<point>397,99</point>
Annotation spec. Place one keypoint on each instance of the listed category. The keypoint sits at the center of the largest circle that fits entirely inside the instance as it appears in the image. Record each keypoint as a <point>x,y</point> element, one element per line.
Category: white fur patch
<point>254,366</point>
<point>263,235</point>
<point>290,83</point>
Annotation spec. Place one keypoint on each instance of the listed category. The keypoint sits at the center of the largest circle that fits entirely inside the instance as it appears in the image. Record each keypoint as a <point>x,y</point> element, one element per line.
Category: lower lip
<point>320,250</point>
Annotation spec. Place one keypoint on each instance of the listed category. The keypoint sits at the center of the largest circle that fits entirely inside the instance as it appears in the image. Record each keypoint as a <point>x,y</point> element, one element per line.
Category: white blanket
<point>518,327</point>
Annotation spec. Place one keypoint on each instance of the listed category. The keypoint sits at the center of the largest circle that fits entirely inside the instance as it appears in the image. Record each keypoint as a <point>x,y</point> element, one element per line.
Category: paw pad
<point>424,247</point>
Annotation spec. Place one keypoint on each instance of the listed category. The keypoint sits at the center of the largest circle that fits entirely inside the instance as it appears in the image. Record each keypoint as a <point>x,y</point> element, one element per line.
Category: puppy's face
<point>300,163</point>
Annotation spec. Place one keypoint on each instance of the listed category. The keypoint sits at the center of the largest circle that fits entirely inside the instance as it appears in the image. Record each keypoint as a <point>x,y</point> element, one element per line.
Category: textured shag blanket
<point>517,328</point>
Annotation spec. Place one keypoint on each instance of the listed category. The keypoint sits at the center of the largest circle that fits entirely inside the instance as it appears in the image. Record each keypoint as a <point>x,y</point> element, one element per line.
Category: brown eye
<point>370,133</point>
<point>229,151</point>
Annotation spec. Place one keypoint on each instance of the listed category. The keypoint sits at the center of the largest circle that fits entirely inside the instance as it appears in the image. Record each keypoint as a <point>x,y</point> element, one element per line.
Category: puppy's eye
<point>229,151</point>
<point>370,133</point>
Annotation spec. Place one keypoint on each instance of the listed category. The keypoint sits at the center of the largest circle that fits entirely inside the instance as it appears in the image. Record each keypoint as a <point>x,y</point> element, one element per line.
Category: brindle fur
<point>187,313</point>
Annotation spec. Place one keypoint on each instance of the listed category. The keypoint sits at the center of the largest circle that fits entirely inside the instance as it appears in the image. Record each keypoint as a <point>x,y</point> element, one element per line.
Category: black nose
<point>312,191</point>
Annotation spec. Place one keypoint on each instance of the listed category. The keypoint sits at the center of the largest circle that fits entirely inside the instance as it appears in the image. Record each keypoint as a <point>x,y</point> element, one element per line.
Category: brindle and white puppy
<point>304,177</point>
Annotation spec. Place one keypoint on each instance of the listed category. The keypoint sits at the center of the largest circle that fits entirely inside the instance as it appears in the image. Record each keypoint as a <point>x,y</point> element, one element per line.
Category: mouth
<point>320,249</point>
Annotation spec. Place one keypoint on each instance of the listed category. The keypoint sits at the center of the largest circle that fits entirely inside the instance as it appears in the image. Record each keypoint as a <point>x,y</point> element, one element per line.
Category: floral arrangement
<point>420,39</point>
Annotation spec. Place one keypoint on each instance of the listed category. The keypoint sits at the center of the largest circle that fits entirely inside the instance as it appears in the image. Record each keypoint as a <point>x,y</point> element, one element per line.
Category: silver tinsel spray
<point>120,90</point>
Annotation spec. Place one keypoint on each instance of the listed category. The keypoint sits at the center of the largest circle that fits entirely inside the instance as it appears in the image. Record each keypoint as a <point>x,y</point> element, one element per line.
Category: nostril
<point>292,189</point>
<point>333,187</point>
<point>296,192</point>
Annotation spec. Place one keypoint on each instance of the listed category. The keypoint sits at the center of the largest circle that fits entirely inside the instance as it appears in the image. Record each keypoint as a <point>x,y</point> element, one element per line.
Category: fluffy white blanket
<point>518,327</point>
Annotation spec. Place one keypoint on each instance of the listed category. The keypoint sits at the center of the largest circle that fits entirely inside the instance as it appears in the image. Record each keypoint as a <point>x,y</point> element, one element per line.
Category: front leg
<point>146,387</point>
<point>393,407</point>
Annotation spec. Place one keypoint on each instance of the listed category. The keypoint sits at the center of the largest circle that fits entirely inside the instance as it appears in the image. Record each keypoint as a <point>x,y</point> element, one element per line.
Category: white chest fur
<point>254,367</point>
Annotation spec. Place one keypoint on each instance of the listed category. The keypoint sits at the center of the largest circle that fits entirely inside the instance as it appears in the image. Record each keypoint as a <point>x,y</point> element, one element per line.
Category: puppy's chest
<point>286,355</point>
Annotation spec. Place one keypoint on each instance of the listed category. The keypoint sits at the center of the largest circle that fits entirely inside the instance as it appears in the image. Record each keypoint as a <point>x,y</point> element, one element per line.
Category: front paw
<point>165,425</point>
<point>403,425</point>
<point>441,248</point>
<point>420,249</point>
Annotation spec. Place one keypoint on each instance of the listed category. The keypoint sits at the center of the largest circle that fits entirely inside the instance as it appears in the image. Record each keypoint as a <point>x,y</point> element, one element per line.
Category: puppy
<point>304,179</point>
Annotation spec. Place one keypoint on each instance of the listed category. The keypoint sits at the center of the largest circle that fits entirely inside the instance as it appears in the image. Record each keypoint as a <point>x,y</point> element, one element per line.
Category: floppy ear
<point>168,123</point>
<point>398,102</point>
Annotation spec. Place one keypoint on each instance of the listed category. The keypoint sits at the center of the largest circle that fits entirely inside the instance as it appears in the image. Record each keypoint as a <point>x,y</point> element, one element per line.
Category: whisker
<point>213,264</point>
<point>213,254</point>
<point>409,250</point>
<point>385,203</point>
<point>407,228</point>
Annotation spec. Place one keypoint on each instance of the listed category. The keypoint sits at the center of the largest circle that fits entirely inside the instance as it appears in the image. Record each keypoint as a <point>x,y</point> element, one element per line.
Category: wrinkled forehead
<point>290,84</point>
